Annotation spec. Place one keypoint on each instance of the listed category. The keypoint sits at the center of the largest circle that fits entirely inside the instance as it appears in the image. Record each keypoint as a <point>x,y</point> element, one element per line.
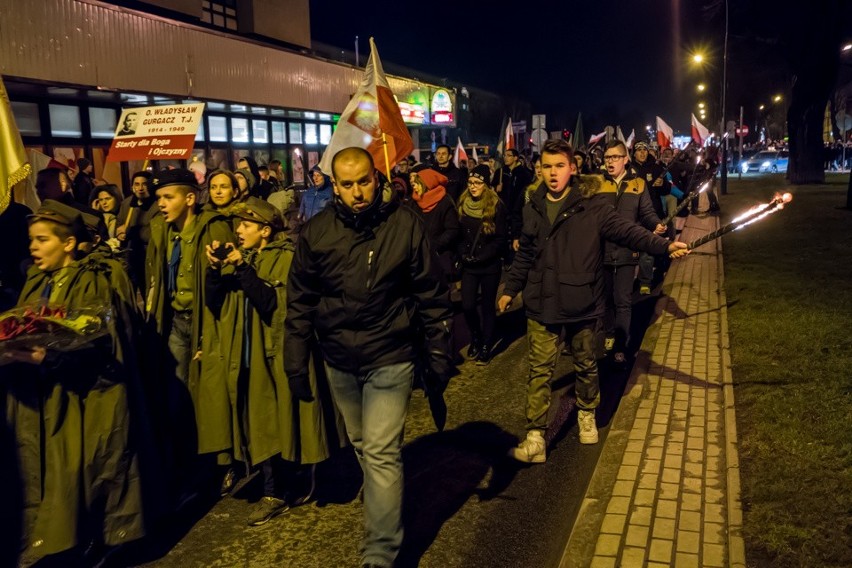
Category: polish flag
<point>371,120</point>
<point>630,139</point>
<point>700,133</point>
<point>475,156</point>
<point>595,138</point>
<point>665,134</point>
<point>509,138</point>
<point>459,154</point>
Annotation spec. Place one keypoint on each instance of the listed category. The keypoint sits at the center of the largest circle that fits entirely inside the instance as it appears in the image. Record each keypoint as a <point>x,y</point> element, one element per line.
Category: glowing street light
<point>776,99</point>
<point>700,105</point>
<point>761,107</point>
<point>701,87</point>
<point>648,127</point>
<point>846,47</point>
<point>698,58</point>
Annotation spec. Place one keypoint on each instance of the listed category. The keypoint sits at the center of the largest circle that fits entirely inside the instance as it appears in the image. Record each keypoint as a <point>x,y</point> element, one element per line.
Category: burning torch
<point>686,201</point>
<point>751,216</point>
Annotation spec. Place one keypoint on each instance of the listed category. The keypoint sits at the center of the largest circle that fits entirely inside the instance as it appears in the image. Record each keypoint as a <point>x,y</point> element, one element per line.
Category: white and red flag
<point>459,154</point>
<point>595,138</point>
<point>665,134</point>
<point>475,155</point>
<point>370,120</point>
<point>700,133</point>
<point>509,137</point>
<point>630,139</point>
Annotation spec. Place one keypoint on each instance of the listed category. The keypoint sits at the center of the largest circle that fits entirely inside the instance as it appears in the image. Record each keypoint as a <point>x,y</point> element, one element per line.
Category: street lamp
<point>701,87</point>
<point>698,58</point>
<point>701,105</point>
<point>761,107</point>
<point>846,47</point>
<point>776,99</point>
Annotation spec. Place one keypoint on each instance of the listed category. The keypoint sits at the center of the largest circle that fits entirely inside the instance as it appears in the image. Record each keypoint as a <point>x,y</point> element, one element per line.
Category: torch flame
<point>753,211</point>
<point>787,197</point>
<point>759,217</point>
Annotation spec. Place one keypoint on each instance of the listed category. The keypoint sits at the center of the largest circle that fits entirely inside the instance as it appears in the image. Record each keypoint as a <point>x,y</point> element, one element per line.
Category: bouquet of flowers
<point>50,327</point>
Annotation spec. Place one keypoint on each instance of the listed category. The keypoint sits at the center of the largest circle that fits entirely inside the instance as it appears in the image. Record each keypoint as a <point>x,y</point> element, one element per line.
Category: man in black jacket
<point>559,267</point>
<point>456,178</point>
<point>363,282</point>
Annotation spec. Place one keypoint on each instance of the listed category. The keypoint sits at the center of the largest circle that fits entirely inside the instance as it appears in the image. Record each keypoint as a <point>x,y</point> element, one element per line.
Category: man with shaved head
<point>365,284</point>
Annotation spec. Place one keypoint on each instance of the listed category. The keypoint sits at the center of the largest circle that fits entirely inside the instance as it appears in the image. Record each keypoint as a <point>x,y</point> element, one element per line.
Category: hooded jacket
<point>559,267</point>
<point>315,199</point>
<point>367,285</point>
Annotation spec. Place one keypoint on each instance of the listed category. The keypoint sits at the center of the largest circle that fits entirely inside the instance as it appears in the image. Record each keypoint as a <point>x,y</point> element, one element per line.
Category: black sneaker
<point>265,510</point>
<point>484,355</point>
<point>475,349</point>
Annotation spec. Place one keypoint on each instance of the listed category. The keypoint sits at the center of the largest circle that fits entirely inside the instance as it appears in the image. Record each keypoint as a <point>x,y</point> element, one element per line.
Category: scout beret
<point>259,211</point>
<point>177,176</point>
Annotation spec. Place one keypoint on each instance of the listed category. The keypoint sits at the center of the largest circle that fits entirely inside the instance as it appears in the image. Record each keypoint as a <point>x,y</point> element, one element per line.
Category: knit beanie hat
<point>482,173</point>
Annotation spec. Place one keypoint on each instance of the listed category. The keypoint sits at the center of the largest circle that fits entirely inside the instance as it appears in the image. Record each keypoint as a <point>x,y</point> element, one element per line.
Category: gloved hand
<point>440,370</point>
<point>300,386</point>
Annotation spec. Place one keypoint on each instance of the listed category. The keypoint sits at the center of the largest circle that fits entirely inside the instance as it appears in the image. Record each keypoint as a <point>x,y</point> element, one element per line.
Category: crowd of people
<point>251,330</point>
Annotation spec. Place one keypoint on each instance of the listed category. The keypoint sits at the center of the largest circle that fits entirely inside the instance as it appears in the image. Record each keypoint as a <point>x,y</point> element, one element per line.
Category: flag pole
<point>387,160</point>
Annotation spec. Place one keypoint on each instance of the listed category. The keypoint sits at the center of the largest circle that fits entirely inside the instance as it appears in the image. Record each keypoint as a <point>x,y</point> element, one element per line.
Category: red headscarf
<point>435,189</point>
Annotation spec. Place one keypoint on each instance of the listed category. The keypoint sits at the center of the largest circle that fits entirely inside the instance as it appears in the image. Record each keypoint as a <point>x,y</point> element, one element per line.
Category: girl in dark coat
<point>484,230</point>
<point>438,212</point>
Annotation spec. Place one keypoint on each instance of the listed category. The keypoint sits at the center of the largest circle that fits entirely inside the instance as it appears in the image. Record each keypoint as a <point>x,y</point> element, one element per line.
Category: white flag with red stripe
<point>509,138</point>
<point>595,138</point>
<point>665,134</point>
<point>630,139</point>
<point>459,154</point>
<point>700,133</point>
<point>371,113</point>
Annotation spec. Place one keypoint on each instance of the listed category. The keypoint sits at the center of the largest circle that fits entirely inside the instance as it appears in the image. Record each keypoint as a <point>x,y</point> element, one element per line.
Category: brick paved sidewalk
<point>666,488</point>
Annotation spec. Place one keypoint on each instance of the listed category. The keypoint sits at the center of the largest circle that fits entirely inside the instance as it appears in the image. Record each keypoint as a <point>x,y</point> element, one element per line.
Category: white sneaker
<point>531,450</point>
<point>588,428</point>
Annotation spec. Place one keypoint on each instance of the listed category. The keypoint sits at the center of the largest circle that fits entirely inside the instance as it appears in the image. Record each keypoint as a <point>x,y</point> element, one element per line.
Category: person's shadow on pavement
<point>442,471</point>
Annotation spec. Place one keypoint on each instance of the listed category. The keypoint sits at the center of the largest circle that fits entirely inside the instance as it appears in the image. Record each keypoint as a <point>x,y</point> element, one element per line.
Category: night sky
<point>614,60</point>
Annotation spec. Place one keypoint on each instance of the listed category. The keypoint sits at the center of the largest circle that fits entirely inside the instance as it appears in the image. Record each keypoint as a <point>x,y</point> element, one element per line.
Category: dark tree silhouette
<point>814,46</point>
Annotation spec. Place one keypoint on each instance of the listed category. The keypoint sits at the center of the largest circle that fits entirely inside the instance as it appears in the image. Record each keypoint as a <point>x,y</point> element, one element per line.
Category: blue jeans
<point>374,405</point>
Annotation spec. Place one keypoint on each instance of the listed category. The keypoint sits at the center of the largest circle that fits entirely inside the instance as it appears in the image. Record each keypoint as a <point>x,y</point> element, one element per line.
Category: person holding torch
<point>559,267</point>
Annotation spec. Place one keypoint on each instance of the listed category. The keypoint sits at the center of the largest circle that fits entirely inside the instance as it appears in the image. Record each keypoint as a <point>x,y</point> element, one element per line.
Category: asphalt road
<point>466,504</point>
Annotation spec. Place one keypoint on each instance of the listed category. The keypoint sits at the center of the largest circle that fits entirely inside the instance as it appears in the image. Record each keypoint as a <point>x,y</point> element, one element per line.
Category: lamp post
<point>724,181</point>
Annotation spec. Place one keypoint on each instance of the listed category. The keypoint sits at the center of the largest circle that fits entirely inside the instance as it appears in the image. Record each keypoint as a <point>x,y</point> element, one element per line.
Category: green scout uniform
<point>72,424</point>
<point>271,420</point>
<point>206,376</point>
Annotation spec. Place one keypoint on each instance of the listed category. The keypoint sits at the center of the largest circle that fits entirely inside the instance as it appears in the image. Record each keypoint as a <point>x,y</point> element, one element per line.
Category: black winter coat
<point>633,202</point>
<point>559,267</point>
<point>442,230</point>
<point>368,286</point>
<point>651,171</point>
<point>486,258</point>
<point>456,180</point>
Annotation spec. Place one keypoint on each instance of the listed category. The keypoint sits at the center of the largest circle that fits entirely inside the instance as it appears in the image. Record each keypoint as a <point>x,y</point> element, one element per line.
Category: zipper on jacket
<point>369,270</point>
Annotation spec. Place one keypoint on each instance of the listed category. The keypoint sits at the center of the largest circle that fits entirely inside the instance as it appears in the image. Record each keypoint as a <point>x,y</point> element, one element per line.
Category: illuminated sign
<point>442,108</point>
<point>413,113</point>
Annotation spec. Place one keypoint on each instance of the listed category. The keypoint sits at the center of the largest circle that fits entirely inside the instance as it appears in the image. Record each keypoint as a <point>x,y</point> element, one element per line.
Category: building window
<point>239,130</point>
<point>65,121</point>
<point>295,133</point>
<point>325,134</point>
<point>278,136</point>
<point>260,131</point>
<point>102,122</point>
<point>27,119</point>
<point>311,136</point>
<point>220,13</point>
<point>218,128</point>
